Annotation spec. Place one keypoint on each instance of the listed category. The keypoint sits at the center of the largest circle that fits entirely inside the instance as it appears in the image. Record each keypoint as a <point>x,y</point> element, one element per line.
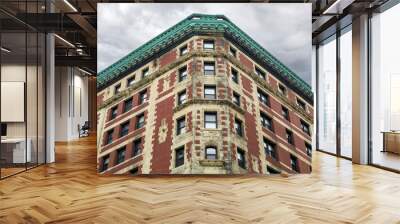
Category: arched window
<point>211,152</point>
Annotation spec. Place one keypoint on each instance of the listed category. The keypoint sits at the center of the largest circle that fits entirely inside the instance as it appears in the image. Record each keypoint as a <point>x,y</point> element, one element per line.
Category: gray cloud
<point>283,29</point>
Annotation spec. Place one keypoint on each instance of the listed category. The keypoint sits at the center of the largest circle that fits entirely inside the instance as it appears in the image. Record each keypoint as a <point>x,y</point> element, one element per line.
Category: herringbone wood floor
<point>70,191</point>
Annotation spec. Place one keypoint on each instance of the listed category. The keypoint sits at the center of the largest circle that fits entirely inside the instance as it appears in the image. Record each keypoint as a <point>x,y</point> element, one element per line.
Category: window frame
<point>183,50</point>
<point>179,161</point>
<point>110,134</point>
<point>208,72</point>
<point>139,124</point>
<point>238,125</point>
<point>180,94</point>
<point>206,122</point>
<point>208,42</point>
<point>208,155</point>
<point>282,89</point>
<point>289,137</point>
<point>305,127</point>
<point>260,73</point>
<point>265,117</point>
<point>263,95</point>
<point>112,110</point>
<point>308,148</point>
<point>232,51</point>
<point>121,150</point>
<point>285,113</point>
<point>294,163</point>
<point>301,103</point>
<point>182,73</point>
<point>103,159</point>
<point>270,148</point>
<point>124,132</point>
<point>142,96</point>
<point>117,88</point>
<point>235,75</point>
<point>125,104</point>
<point>236,98</point>
<point>136,147</point>
<point>241,162</point>
<point>130,81</point>
<point>180,129</point>
<point>145,72</point>
<point>210,87</point>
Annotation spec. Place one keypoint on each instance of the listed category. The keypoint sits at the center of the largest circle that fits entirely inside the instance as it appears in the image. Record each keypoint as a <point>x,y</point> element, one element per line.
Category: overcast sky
<point>282,29</point>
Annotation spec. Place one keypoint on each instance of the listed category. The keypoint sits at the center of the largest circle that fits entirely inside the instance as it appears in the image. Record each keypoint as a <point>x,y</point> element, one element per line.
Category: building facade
<point>203,98</point>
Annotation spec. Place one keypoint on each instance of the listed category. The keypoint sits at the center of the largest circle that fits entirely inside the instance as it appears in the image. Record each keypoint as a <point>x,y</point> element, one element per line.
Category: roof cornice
<point>203,24</point>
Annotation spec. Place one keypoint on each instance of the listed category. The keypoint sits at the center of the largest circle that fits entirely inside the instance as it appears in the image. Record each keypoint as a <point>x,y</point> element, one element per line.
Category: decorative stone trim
<point>212,102</point>
<point>212,163</point>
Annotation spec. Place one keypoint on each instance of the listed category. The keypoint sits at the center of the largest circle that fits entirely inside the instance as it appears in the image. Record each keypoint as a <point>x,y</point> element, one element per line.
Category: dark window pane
<point>179,156</point>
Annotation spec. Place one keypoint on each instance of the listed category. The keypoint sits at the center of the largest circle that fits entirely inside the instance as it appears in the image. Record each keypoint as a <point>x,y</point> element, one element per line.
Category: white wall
<point>71,102</point>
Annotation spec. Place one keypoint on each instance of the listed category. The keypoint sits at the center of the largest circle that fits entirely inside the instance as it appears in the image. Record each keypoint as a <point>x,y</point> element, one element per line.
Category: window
<point>124,129</point>
<point>209,68</point>
<point>209,92</point>
<point>117,89</point>
<point>136,147</point>
<point>128,104</point>
<point>179,156</point>
<point>210,120</point>
<point>308,149</point>
<point>106,163</point>
<point>241,158</point>
<point>266,121</point>
<point>182,73</point>
<point>208,44</point>
<point>260,73</point>
<point>142,96</point>
<point>272,170</point>
<point>121,155</point>
<point>236,99</point>
<point>211,152</point>
<point>285,113</point>
<point>114,112</point>
<point>289,137</point>
<point>238,127</point>
<point>305,127</point>
<point>139,121</point>
<point>301,104</point>
<point>270,148</point>
<point>235,76</point>
<point>145,72</point>
<point>134,171</point>
<point>109,138</point>
<point>263,97</point>
<point>294,163</point>
<point>183,50</point>
<point>181,97</point>
<point>282,90</point>
<point>130,81</point>
<point>232,51</point>
<point>180,126</point>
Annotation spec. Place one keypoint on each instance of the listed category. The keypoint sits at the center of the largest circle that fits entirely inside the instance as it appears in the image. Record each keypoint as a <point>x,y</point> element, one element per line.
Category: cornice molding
<point>202,24</point>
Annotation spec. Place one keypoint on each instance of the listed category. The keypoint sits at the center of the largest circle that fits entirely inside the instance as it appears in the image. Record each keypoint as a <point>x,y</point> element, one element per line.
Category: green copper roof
<point>202,24</point>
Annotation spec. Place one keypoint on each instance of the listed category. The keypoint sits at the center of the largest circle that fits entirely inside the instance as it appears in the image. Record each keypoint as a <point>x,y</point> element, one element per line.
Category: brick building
<point>203,98</point>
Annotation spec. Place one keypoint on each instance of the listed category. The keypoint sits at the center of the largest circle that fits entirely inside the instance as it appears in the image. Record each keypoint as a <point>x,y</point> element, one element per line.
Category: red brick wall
<point>162,152</point>
<point>168,58</point>
<point>246,62</point>
<point>252,138</point>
